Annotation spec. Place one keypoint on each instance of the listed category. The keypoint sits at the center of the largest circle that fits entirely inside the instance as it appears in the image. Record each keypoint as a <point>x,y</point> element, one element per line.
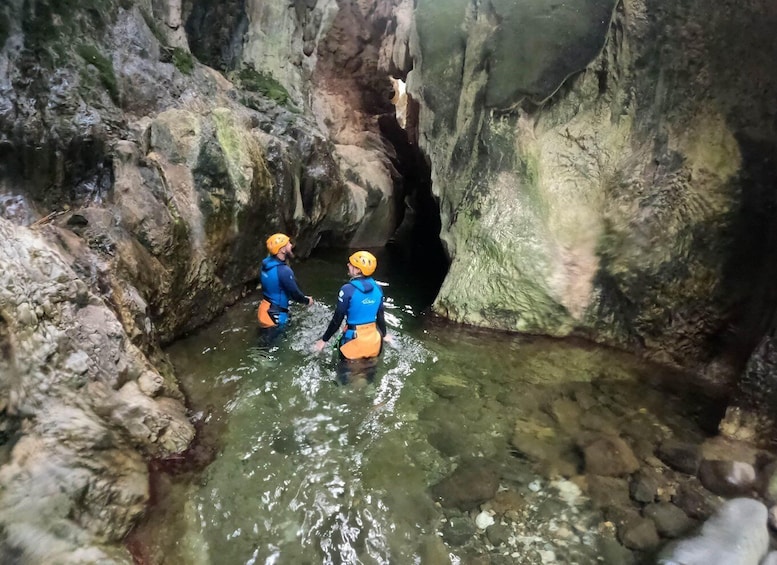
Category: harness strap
<point>275,306</point>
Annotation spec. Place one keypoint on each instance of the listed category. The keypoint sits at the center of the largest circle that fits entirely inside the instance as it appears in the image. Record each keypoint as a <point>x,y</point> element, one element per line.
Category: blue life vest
<point>365,302</point>
<point>271,284</point>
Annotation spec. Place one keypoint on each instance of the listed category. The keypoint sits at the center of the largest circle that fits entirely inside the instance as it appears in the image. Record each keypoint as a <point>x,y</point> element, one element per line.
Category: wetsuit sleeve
<point>343,300</point>
<point>380,321</point>
<point>289,284</point>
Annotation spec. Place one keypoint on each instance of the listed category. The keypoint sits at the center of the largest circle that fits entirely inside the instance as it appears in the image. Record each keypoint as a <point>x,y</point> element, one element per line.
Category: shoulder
<point>285,270</point>
<point>345,291</point>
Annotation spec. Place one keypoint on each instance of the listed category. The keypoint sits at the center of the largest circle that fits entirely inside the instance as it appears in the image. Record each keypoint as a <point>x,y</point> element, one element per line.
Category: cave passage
<point>416,241</point>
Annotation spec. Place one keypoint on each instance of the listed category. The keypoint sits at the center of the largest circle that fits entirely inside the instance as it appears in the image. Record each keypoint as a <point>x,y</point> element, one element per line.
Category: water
<point>304,470</point>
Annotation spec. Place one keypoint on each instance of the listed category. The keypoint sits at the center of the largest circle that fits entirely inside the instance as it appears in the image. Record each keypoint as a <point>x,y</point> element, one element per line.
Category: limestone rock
<point>79,449</point>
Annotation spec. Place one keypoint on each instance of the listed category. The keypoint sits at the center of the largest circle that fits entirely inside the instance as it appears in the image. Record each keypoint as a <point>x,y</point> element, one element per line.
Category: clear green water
<point>305,470</point>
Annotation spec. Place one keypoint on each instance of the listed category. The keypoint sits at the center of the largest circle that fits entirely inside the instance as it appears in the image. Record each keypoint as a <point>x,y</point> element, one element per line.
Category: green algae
<point>264,83</point>
<point>183,60</point>
<point>104,67</point>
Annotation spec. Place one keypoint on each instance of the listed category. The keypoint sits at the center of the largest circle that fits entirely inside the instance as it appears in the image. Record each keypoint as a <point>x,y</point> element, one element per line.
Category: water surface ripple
<point>305,470</point>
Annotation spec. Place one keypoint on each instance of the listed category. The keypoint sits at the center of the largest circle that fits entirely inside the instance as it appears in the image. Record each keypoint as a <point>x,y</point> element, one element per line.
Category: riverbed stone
<point>613,553</point>
<point>644,484</point>
<point>670,521</point>
<point>609,456</point>
<point>599,419</point>
<point>566,412</point>
<point>536,438</point>
<point>695,500</point>
<point>680,456</point>
<point>639,533</point>
<point>505,501</point>
<point>450,386</point>
<point>498,534</point>
<point>773,517</point>
<point>727,478</point>
<point>767,482</point>
<point>433,550</point>
<point>474,481</point>
<point>606,492</point>
<point>620,516</point>
<point>458,530</point>
<point>721,448</point>
<point>770,559</point>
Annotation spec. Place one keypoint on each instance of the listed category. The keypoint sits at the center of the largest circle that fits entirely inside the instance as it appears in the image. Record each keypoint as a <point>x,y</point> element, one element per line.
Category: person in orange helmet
<point>360,304</point>
<point>278,286</point>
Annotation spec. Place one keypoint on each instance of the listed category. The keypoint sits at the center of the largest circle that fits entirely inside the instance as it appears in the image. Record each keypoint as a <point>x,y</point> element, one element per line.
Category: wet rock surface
<point>79,427</point>
<point>637,492</point>
<point>582,221</point>
<point>150,181</point>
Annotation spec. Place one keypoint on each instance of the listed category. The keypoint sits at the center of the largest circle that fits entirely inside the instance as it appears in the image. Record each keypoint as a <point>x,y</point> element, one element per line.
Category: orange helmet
<point>276,241</point>
<point>364,261</point>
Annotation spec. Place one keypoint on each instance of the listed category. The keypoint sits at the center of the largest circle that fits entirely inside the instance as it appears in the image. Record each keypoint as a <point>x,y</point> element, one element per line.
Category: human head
<point>364,261</point>
<point>278,242</point>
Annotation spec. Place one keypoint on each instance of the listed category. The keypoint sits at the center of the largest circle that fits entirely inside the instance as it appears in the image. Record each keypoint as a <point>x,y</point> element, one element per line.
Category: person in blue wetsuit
<point>360,304</point>
<point>278,287</point>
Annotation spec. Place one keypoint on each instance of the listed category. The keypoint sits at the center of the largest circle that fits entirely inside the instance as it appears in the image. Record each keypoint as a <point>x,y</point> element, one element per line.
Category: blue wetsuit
<point>278,286</point>
<point>360,301</point>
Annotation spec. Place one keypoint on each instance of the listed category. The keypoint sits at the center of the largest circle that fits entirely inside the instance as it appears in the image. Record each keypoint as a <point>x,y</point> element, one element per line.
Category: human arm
<point>343,300</point>
<point>380,320</point>
<point>337,318</point>
<point>289,285</point>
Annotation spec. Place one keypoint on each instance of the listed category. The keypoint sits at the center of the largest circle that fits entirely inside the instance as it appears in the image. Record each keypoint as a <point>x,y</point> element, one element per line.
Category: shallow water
<point>305,470</point>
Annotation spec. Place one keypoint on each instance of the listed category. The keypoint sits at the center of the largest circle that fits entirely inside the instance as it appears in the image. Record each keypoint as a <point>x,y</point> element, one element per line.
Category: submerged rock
<point>474,481</point>
<point>727,478</point>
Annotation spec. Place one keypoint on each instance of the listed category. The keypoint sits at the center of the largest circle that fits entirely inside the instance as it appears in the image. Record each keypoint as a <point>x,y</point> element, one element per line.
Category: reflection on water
<point>305,470</point>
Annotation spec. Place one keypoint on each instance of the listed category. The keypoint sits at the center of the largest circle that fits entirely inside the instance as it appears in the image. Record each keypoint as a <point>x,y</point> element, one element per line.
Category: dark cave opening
<point>415,246</point>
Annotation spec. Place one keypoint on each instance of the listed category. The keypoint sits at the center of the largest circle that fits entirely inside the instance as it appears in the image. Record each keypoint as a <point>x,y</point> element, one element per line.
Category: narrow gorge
<point>598,170</point>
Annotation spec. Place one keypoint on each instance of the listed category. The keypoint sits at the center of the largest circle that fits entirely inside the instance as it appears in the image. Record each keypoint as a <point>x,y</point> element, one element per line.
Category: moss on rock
<point>183,60</point>
<point>256,81</point>
<point>104,67</point>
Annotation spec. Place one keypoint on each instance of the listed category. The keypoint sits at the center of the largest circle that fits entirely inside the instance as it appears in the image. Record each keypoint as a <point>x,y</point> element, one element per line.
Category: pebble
<point>548,556</point>
<point>484,520</point>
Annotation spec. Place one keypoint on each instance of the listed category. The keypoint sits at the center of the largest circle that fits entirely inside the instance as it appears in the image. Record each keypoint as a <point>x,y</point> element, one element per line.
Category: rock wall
<point>605,172</point>
<point>137,187</point>
<point>331,60</point>
<point>83,409</point>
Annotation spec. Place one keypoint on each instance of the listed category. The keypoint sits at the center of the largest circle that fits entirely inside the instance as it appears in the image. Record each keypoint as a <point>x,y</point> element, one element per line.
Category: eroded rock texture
<point>84,407</point>
<point>137,187</point>
<point>603,168</point>
<point>611,179</point>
